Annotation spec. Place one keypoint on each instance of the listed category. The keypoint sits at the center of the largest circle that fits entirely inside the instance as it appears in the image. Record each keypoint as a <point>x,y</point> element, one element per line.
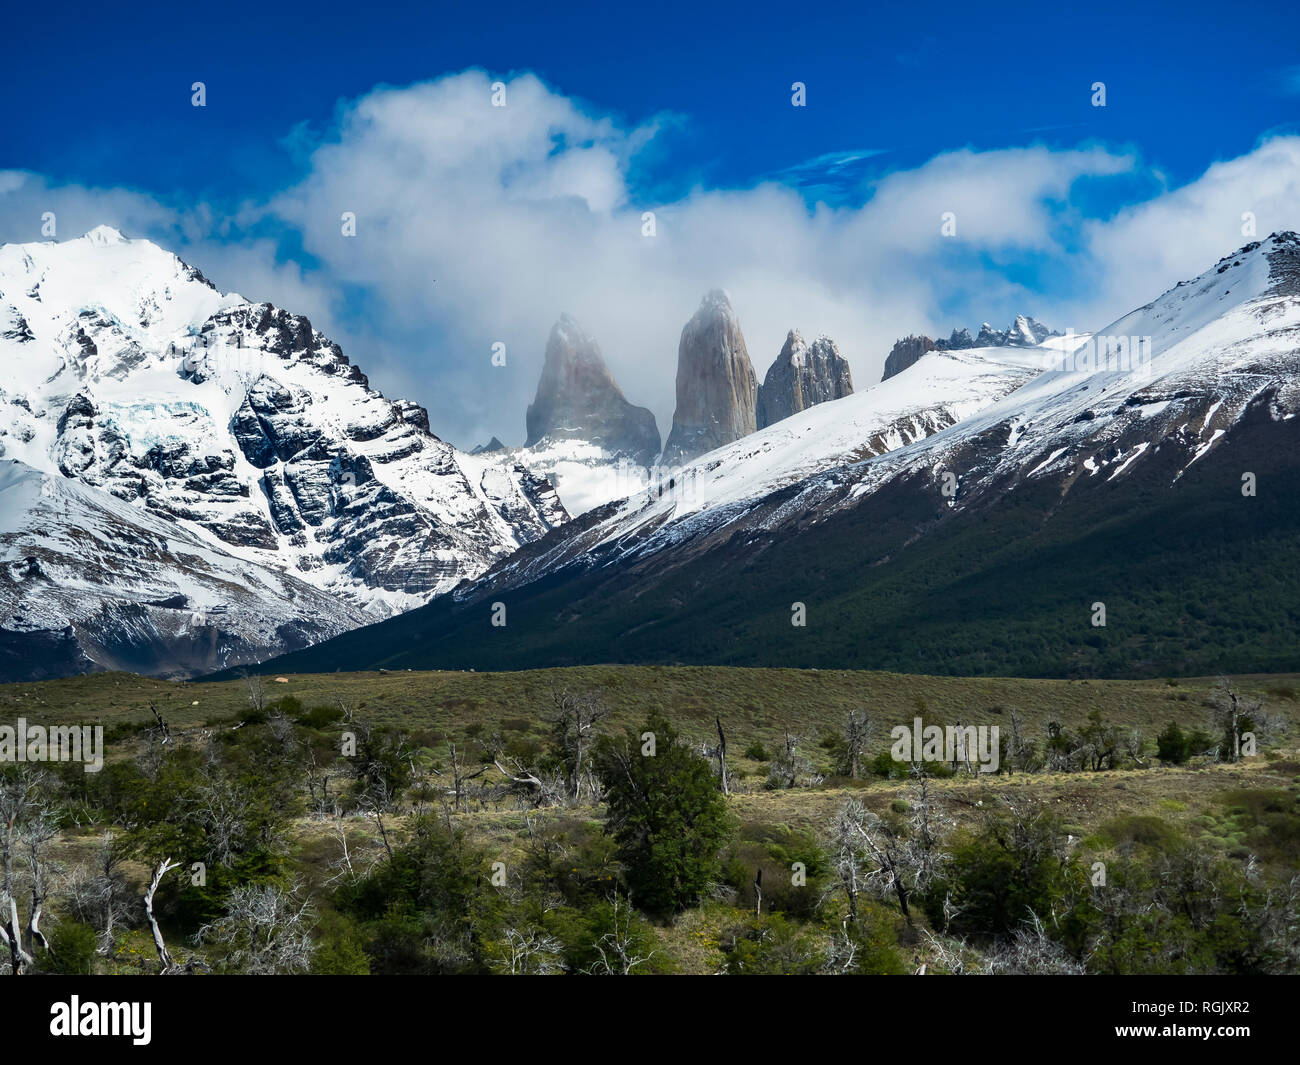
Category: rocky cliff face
<point>802,377</point>
<point>577,399</point>
<point>905,352</point>
<point>89,582</point>
<point>717,388</point>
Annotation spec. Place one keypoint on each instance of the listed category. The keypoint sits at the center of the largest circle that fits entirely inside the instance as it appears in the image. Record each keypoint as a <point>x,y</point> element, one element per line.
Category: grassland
<point>754,704</point>
<point>1240,810</point>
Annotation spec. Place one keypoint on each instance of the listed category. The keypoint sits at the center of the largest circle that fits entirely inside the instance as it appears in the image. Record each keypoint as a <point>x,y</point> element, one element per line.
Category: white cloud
<point>523,212</point>
<point>477,224</point>
<point>1148,247</point>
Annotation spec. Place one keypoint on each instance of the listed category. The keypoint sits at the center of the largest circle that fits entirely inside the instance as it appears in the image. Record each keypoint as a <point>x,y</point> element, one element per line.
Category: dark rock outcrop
<point>577,398</point>
<point>905,352</point>
<point>717,389</point>
<point>801,377</point>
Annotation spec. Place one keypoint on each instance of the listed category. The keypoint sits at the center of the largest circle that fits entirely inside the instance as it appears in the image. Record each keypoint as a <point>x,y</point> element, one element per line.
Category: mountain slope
<point>978,548</point>
<point>175,605</point>
<point>243,426</point>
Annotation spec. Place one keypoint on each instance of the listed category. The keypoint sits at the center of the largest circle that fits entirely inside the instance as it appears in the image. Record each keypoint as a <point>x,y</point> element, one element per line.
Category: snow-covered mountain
<point>963,515</point>
<point>89,581</point>
<point>1184,369</point>
<point>236,425</point>
<point>940,391</point>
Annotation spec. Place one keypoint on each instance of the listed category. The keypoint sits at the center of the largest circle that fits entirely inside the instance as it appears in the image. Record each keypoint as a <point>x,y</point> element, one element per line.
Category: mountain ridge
<point>240,423</point>
<point>1075,457</point>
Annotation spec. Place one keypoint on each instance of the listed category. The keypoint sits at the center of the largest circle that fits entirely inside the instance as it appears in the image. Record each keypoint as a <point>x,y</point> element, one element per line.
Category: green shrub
<point>320,717</point>
<point>775,850</point>
<point>74,945</point>
<point>666,814</point>
<point>1144,830</point>
<point>339,948</point>
<point>771,945</point>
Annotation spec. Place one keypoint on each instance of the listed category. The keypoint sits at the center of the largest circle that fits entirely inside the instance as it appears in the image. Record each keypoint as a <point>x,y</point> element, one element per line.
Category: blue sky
<point>103,97</point>
<point>692,105</point>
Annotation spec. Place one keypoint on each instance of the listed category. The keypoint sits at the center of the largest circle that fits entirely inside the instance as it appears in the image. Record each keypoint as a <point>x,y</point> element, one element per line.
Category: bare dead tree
<point>317,779</point>
<point>1022,754</point>
<point>282,731</point>
<point>857,732</point>
<point>256,692</point>
<point>374,802</point>
<point>950,954</point>
<point>154,752</point>
<point>162,725</point>
<point>21,804</point>
<point>533,952</point>
<point>573,721</point>
<point>529,783</point>
<point>787,767</point>
<point>929,823</point>
<point>888,857</point>
<point>1134,744</point>
<point>845,860</point>
<point>36,834</point>
<point>220,806</point>
<point>617,947</point>
<point>1234,716</point>
<point>265,930</point>
<point>99,894</point>
<point>960,754</point>
<point>461,774</point>
<point>164,955</point>
<point>878,854</point>
<point>1031,952</point>
<point>595,786</point>
<point>841,951</point>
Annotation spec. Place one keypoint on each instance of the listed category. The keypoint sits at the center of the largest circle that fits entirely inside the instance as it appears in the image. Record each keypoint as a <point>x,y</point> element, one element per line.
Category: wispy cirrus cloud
<point>835,178</point>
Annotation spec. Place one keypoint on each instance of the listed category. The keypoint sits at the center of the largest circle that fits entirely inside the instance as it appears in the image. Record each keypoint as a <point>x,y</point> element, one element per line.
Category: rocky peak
<point>1023,332</point>
<point>802,377</point>
<point>717,388</point>
<point>577,398</point>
